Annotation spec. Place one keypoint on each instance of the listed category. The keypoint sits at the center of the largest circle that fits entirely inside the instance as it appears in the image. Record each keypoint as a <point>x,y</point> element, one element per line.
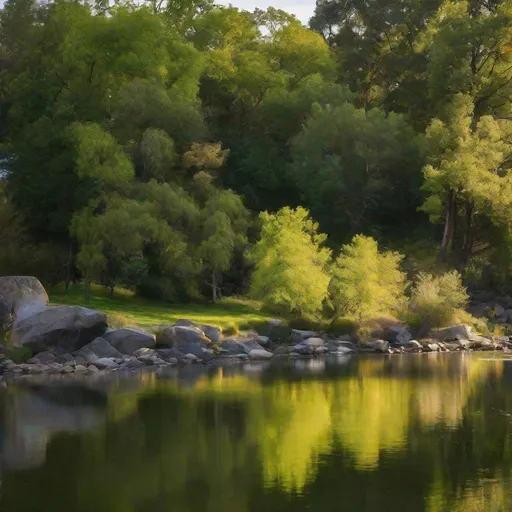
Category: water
<point>399,433</point>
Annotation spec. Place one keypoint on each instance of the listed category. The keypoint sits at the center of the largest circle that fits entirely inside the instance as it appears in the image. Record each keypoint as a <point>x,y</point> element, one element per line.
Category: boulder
<point>20,293</point>
<point>264,341</point>
<point>399,334</point>
<point>344,350</point>
<point>241,344</point>
<point>177,334</point>
<point>260,354</point>
<point>59,329</point>
<point>298,336</point>
<point>303,350</point>
<point>499,310</point>
<point>314,342</point>
<point>128,340</point>
<point>170,353</point>
<point>210,331</point>
<point>281,351</point>
<point>105,363</point>
<point>412,345</point>
<point>455,332</point>
<point>97,349</point>
<point>378,346</point>
<point>43,358</point>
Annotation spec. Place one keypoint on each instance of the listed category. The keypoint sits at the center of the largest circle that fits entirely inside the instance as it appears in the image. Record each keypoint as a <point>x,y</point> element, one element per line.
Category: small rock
<point>499,310</point>
<point>434,347</point>
<point>92,369</point>
<point>279,351</point>
<point>298,336</point>
<point>104,363</point>
<point>264,341</point>
<point>321,350</point>
<point>68,369</point>
<point>260,354</point>
<point>145,351</point>
<point>54,367</point>
<point>314,342</point>
<point>80,368</point>
<point>192,357</point>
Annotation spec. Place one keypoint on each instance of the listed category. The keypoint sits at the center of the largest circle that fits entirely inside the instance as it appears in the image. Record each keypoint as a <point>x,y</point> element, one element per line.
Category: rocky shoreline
<point>69,340</point>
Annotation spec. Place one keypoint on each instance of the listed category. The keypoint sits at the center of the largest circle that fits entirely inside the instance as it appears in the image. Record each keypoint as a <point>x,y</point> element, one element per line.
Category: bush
<point>118,320</point>
<point>230,329</point>
<point>365,282</point>
<point>437,299</point>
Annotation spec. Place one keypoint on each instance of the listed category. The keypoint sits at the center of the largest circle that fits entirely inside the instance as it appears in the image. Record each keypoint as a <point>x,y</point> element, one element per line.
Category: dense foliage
<point>140,141</point>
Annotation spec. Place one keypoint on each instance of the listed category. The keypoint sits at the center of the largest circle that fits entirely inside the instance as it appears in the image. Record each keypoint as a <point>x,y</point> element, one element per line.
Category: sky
<point>303,9</point>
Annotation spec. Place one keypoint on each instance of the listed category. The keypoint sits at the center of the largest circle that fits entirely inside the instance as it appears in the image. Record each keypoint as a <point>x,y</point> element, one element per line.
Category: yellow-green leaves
<point>291,262</point>
<point>366,282</point>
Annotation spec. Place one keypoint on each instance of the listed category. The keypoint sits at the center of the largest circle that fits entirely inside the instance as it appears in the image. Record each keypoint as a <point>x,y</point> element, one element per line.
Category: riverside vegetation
<point>349,176</point>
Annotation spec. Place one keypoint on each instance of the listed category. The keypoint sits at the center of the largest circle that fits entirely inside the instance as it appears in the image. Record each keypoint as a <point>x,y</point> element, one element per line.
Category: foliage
<point>366,282</point>
<point>436,299</point>
<point>291,262</point>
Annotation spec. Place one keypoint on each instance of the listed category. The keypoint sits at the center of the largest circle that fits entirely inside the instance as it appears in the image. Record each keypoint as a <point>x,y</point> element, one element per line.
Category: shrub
<point>291,263</point>
<point>118,320</point>
<point>436,299</point>
<point>230,329</point>
<point>366,282</point>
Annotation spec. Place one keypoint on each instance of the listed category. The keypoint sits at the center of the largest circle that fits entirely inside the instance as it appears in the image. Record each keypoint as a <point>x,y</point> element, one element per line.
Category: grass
<point>124,309</point>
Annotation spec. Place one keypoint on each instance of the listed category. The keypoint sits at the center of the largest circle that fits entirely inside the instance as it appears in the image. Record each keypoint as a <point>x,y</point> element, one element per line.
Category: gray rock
<point>499,310</point>
<point>412,345</point>
<point>64,358</point>
<point>43,358</point>
<point>80,368</point>
<point>241,344</point>
<point>60,329</point>
<point>68,369</point>
<point>54,367</point>
<point>170,353</point>
<point>313,342</point>
<point>433,347</point>
<point>298,336</point>
<point>342,349</point>
<point>399,334</point>
<point>260,354</point>
<point>92,369</point>
<point>145,352</point>
<point>210,331</point>
<point>303,350</point>
<point>280,351</point>
<point>97,349</point>
<point>128,340</point>
<point>455,332</point>
<point>133,364</point>
<point>176,335</point>
<point>147,360</point>
<point>321,350</point>
<point>378,345</point>
<point>17,294</point>
<point>104,363</point>
<point>264,341</point>
<point>276,330</point>
<point>192,357</point>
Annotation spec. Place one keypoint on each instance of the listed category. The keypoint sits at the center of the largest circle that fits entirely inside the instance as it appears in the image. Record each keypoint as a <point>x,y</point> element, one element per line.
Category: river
<point>416,432</point>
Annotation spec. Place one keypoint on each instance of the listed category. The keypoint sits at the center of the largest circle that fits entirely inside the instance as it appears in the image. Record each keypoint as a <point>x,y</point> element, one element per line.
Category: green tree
<point>290,262</point>
<point>366,282</point>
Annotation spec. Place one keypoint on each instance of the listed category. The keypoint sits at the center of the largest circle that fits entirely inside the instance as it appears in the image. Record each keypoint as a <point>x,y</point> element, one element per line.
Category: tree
<point>366,282</point>
<point>467,175</point>
<point>351,166</point>
<point>290,262</point>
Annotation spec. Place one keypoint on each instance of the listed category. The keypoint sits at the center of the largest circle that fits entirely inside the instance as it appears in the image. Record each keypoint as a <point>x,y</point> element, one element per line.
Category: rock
<point>321,350</point>
<point>64,358</point>
<point>412,345</point>
<point>476,338</point>
<point>210,331</point>
<point>80,368</point>
<point>281,351</point>
<point>455,332</point>
<point>303,350</point>
<point>170,353</point>
<point>264,341</point>
<point>42,358</point>
<point>128,340</point>
<point>298,336</point>
<point>499,310</point>
<point>59,329</point>
<point>176,335</point>
<point>97,349</point>
<point>508,314</point>
<point>92,369</point>
<point>145,352</point>
<point>260,354</point>
<point>147,360</point>
<point>378,345</point>
<point>399,334</point>
<point>192,357</point>
<point>344,350</point>
<point>240,344</point>
<point>313,342</point>
<point>68,369</point>
<point>104,363</point>
<point>276,330</point>
<point>54,367</point>
<point>20,296</point>
<point>433,347</point>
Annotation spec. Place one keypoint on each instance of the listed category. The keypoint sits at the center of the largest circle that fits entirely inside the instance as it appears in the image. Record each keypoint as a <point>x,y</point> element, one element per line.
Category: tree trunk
<point>214,287</point>
<point>467,244</point>
<point>449,227</point>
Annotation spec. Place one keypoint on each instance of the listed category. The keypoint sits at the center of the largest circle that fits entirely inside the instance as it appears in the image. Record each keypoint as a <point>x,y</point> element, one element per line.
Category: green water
<point>399,433</point>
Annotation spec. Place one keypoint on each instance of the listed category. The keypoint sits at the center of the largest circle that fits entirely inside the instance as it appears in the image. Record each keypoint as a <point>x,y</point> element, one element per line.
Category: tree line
<point>140,141</point>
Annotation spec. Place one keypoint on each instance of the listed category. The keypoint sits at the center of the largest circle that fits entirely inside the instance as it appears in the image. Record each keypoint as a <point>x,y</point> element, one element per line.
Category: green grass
<point>126,310</point>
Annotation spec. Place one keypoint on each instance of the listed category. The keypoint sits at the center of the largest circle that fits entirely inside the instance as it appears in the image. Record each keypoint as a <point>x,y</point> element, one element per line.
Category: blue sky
<point>303,9</point>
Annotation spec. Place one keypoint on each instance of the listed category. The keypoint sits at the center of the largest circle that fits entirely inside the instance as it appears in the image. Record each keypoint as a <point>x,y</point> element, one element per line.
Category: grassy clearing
<point>126,310</point>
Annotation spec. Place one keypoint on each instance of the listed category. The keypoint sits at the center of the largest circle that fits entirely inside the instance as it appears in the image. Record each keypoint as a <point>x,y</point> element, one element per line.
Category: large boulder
<point>187,340</point>
<point>455,332</point>
<point>59,329</point>
<point>399,334</point>
<point>98,349</point>
<point>210,331</point>
<point>20,297</point>
<point>177,334</point>
<point>298,335</point>
<point>128,340</point>
<point>241,344</point>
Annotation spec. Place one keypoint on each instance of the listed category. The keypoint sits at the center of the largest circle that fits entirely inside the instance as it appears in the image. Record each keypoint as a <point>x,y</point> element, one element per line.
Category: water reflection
<point>417,433</point>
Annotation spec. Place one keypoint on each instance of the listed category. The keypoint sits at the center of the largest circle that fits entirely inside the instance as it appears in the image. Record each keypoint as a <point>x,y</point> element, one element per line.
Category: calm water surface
<point>400,433</point>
